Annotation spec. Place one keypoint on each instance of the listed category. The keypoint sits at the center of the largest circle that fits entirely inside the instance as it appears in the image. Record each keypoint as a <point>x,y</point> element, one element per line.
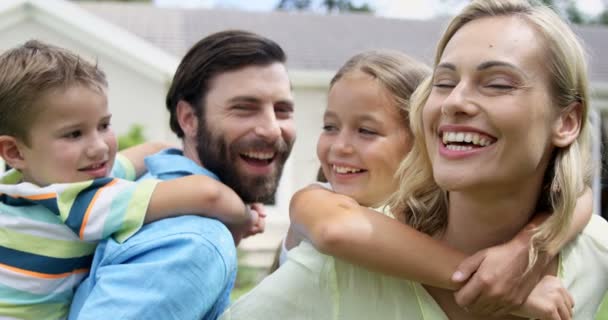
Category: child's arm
<point>196,194</point>
<point>98,209</point>
<point>502,268</point>
<point>336,225</point>
<point>136,154</point>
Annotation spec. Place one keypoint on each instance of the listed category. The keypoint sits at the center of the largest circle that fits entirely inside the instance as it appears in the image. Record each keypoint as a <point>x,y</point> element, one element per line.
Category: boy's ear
<point>186,116</point>
<point>9,151</point>
<point>568,125</point>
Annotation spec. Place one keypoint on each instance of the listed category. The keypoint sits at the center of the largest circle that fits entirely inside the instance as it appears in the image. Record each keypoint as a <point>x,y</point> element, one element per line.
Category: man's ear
<point>567,125</point>
<point>11,153</point>
<point>187,119</point>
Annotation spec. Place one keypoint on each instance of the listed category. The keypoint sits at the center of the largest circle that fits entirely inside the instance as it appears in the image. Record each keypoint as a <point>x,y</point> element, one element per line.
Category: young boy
<point>59,199</point>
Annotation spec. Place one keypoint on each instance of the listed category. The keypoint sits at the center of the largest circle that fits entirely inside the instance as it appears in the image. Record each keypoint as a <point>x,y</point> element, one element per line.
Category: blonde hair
<point>28,72</point>
<point>421,202</point>
<point>394,70</point>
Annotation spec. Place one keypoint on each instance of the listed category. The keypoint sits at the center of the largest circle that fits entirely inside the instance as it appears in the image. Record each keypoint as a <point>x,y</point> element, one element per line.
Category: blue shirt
<point>178,268</point>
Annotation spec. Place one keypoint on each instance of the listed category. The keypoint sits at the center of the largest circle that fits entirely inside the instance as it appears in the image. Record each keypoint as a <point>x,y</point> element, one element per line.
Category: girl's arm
<point>136,154</point>
<point>502,268</point>
<point>338,226</point>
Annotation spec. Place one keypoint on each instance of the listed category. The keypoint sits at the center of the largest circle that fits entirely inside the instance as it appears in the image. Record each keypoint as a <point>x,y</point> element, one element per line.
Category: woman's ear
<point>187,119</point>
<point>11,153</point>
<point>568,125</point>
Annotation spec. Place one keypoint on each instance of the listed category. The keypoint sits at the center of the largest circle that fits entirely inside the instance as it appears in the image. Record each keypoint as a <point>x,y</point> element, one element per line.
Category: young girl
<point>365,137</point>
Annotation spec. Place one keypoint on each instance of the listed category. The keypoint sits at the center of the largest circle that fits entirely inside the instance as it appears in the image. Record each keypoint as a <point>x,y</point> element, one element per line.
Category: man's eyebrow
<point>248,99</point>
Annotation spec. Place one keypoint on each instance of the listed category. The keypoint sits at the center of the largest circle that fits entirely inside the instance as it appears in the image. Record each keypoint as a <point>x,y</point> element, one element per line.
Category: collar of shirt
<point>171,163</point>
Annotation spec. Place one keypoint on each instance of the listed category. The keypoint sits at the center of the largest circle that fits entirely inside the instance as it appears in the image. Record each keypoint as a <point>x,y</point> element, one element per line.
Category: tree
<point>288,5</point>
<point>329,6</point>
<point>567,9</point>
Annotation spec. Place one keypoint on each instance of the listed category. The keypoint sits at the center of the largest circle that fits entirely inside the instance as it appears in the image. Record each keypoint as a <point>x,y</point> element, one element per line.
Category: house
<point>139,47</point>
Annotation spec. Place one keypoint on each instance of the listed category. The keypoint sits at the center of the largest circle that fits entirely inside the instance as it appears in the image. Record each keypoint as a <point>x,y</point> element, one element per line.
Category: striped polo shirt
<point>48,236</point>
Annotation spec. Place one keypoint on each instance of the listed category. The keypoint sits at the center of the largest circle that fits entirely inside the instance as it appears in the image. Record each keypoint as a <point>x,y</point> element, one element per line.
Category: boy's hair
<point>29,71</point>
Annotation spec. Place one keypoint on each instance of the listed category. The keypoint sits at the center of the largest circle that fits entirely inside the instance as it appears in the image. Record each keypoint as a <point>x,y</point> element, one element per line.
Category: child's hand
<point>548,301</point>
<point>258,223</point>
<point>497,282</point>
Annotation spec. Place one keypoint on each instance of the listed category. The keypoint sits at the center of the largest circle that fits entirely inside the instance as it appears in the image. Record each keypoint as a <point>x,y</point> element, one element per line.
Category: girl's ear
<point>187,119</point>
<point>11,153</point>
<point>568,125</point>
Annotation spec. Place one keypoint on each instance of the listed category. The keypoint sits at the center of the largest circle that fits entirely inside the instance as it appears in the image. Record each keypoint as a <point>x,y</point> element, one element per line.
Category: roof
<point>93,32</point>
<point>312,41</point>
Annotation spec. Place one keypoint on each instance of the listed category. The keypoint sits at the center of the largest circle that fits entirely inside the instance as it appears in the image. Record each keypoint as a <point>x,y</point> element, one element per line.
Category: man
<point>230,103</point>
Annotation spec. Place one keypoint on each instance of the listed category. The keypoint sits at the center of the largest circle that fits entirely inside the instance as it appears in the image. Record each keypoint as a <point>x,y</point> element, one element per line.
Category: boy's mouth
<point>96,170</point>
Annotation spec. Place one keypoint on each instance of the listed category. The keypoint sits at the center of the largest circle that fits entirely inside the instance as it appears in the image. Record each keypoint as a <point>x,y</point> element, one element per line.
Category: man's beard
<point>221,159</point>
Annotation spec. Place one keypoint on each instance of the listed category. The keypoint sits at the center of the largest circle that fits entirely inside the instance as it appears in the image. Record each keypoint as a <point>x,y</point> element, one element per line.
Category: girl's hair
<point>421,202</point>
<point>395,71</point>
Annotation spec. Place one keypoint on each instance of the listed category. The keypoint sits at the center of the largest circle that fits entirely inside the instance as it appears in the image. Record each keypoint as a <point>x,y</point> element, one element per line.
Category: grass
<point>603,312</point>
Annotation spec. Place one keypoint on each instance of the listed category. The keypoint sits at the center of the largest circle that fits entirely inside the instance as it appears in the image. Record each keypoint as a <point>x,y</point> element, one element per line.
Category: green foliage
<point>329,6</point>
<point>133,137</point>
<point>246,278</point>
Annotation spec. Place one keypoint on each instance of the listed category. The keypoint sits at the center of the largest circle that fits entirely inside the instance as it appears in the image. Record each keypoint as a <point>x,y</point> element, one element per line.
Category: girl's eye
<point>329,128</point>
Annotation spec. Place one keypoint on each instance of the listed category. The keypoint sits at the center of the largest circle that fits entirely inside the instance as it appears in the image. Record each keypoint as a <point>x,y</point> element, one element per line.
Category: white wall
<point>133,98</point>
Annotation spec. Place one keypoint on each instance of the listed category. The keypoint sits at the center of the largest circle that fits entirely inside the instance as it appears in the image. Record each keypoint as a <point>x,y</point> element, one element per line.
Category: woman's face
<point>363,140</point>
<point>489,117</point>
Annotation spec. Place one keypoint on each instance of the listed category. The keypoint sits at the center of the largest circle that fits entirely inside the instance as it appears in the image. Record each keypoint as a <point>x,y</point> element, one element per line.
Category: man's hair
<point>29,71</point>
<point>215,54</point>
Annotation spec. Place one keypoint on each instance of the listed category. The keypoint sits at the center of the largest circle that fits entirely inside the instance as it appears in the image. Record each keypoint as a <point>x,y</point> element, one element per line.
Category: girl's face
<point>489,118</point>
<point>364,139</point>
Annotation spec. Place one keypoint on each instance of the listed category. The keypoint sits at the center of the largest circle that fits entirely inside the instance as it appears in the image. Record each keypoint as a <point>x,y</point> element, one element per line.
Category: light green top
<point>311,285</point>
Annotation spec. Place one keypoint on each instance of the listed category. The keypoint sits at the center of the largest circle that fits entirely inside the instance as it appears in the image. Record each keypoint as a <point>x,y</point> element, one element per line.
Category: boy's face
<point>71,139</point>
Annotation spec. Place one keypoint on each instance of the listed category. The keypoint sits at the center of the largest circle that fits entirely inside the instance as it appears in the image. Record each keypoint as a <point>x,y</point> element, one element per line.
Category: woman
<point>513,76</point>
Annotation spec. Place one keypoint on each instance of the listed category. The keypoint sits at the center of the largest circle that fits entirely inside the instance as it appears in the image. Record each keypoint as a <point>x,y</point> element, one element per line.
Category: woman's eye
<point>367,131</point>
<point>444,84</point>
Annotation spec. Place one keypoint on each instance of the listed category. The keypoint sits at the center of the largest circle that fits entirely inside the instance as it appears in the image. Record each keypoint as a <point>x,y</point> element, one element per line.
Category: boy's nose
<point>97,148</point>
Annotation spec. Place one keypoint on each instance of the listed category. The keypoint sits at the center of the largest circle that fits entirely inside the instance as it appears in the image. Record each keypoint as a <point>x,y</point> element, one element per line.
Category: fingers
<point>259,208</point>
<point>468,267</point>
<point>468,294</point>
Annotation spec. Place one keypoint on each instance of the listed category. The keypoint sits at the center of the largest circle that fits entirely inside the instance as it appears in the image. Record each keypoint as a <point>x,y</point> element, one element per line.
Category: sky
<point>411,9</point>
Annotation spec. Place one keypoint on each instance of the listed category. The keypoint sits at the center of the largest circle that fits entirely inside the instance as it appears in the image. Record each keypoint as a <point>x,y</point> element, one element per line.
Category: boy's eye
<point>73,134</point>
<point>104,126</point>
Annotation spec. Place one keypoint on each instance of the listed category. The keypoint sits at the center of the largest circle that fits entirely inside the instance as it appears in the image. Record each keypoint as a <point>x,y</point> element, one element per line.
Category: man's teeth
<point>95,166</point>
<point>340,169</point>
<point>468,137</point>
<point>259,155</point>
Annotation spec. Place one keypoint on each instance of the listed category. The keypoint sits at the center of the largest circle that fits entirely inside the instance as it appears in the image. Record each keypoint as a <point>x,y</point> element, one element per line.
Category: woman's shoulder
<point>584,267</point>
<point>595,233</point>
